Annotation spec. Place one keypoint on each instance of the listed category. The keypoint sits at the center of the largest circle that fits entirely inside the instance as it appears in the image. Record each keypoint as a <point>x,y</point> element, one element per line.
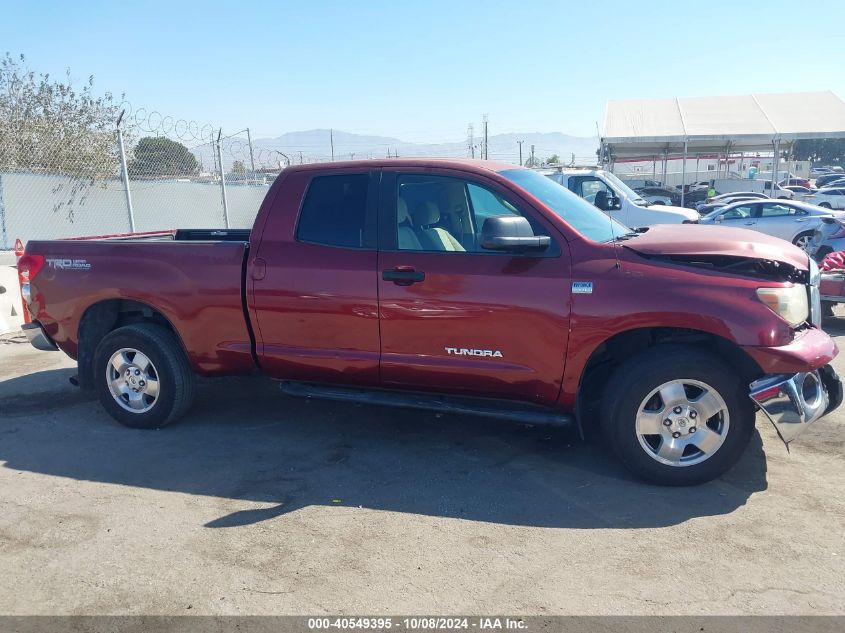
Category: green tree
<point>238,168</point>
<point>554,159</point>
<point>828,151</point>
<point>159,156</point>
<point>49,126</point>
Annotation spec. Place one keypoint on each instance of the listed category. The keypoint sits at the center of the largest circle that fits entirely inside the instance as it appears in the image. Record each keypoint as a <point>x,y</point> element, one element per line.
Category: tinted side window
<point>739,213</point>
<point>334,211</point>
<point>774,210</point>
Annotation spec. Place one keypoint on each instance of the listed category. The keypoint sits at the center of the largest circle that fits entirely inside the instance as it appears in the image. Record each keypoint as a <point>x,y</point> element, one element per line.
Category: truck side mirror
<point>511,233</point>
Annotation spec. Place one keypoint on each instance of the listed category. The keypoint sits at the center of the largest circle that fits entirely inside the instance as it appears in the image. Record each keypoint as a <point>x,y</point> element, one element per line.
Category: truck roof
<point>467,164</point>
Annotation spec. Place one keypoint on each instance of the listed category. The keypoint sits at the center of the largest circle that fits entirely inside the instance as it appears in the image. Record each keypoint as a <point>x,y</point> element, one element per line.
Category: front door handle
<point>403,275</point>
<point>259,269</point>
<point>749,224</point>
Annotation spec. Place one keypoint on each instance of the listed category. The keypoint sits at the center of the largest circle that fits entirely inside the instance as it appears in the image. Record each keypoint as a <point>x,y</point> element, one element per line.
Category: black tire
<point>175,378</point>
<point>798,237</point>
<point>635,379</point>
<point>826,205</point>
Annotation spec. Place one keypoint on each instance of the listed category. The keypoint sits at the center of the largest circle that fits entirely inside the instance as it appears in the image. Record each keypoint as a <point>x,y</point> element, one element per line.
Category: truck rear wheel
<point>142,376</point>
<point>677,416</point>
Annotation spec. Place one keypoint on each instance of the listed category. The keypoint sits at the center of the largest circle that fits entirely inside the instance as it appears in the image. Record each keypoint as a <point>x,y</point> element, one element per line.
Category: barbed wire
<point>154,122</point>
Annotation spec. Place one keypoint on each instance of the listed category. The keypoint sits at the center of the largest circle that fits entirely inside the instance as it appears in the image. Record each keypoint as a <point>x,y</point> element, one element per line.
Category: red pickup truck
<point>454,285</point>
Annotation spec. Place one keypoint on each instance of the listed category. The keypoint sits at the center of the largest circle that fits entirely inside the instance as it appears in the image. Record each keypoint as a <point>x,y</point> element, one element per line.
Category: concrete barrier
<point>10,300</point>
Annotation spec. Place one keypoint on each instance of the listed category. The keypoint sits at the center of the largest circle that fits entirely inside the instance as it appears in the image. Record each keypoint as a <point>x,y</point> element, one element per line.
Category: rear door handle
<point>403,275</point>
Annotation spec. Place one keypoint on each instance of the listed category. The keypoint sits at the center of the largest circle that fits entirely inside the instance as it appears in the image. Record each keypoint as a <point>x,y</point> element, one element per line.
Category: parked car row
<point>796,221</point>
<point>829,180</point>
<point>792,221</point>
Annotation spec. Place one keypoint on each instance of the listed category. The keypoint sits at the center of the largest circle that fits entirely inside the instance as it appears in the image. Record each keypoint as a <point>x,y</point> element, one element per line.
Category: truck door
<point>314,279</point>
<point>455,317</point>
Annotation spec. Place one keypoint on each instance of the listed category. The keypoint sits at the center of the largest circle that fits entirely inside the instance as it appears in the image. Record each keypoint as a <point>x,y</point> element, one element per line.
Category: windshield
<point>632,195</point>
<point>577,212</point>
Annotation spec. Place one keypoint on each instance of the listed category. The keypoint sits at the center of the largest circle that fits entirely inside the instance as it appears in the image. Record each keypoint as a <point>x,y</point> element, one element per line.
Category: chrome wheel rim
<point>803,242</point>
<point>682,422</point>
<point>133,380</point>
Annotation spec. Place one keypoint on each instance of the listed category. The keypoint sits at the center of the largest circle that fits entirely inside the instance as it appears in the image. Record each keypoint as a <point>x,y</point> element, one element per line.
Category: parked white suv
<point>614,197</point>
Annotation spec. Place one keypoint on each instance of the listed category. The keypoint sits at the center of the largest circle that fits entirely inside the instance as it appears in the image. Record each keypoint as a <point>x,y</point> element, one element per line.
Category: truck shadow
<point>244,442</point>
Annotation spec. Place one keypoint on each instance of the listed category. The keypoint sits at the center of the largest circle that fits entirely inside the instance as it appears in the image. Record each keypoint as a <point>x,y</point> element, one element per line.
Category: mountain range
<point>316,145</point>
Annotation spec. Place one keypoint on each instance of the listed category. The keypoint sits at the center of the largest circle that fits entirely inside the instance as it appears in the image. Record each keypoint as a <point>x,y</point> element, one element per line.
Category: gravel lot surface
<point>260,504</point>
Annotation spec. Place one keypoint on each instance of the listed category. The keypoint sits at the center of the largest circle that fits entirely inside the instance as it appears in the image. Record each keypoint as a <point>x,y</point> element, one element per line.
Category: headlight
<point>790,304</point>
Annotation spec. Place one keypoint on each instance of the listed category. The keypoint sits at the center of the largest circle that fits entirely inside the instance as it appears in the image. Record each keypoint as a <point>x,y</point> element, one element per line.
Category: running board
<point>486,407</point>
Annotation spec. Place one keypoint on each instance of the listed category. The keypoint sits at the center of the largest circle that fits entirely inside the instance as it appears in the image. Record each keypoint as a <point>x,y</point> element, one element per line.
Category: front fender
<point>636,294</point>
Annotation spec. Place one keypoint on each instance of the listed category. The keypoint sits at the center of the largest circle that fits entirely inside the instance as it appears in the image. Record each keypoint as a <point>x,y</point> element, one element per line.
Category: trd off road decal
<point>68,264</point>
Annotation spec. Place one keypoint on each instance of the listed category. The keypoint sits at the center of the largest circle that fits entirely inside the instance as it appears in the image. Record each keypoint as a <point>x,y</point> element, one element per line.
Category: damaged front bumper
<point>794,401</point>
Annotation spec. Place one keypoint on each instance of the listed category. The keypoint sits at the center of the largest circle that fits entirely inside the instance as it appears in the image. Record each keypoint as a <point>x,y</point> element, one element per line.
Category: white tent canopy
<point>697,125</point>
<point>642,127</point>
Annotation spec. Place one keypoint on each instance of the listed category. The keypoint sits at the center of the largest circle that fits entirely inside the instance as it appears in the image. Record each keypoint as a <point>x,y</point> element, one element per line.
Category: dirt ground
<point>260,504</point>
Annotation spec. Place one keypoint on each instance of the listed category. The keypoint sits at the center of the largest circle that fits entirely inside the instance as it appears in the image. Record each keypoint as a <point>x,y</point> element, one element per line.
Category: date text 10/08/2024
<point>418,623</point>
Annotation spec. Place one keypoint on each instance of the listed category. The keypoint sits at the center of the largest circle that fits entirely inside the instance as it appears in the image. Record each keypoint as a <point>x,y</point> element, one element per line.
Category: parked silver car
<point>793,221</point>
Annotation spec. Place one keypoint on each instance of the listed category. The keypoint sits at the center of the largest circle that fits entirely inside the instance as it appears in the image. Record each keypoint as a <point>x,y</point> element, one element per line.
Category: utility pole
<point>520,152</point>
<point>251,159</point>
<point>470,141</point>
<point>352,156</point>
<point>331,140</point>
<point>300,158</point>
<point>532,156</point>
<point>485,154</point>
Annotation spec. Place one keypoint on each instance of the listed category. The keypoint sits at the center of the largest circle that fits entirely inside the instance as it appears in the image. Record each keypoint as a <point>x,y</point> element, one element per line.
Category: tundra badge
<point>463,351</point>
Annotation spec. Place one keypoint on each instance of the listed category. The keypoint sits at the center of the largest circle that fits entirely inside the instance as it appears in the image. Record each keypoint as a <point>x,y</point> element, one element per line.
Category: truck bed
<point>193,277</point>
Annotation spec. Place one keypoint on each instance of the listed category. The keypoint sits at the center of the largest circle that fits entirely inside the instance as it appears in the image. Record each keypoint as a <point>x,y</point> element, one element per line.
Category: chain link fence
<point>79,166</point>
<point>147,173</point>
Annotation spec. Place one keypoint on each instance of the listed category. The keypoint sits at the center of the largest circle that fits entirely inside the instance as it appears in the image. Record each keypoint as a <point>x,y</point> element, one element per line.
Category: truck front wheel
<point>142,376</point>
<point>677,416</point>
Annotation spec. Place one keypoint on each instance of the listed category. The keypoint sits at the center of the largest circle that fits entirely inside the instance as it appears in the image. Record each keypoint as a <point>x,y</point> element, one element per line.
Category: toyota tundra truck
<point>458,286</point>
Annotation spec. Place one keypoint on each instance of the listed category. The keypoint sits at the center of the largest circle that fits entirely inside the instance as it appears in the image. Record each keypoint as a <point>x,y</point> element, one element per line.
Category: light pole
<point>285,156</point>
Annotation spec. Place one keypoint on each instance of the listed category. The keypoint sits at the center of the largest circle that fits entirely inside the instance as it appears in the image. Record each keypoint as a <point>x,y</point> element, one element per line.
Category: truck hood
<point>716,241</point>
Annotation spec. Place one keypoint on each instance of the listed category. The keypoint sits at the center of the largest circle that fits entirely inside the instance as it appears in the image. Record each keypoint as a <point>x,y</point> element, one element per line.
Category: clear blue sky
<point>421,71</point>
